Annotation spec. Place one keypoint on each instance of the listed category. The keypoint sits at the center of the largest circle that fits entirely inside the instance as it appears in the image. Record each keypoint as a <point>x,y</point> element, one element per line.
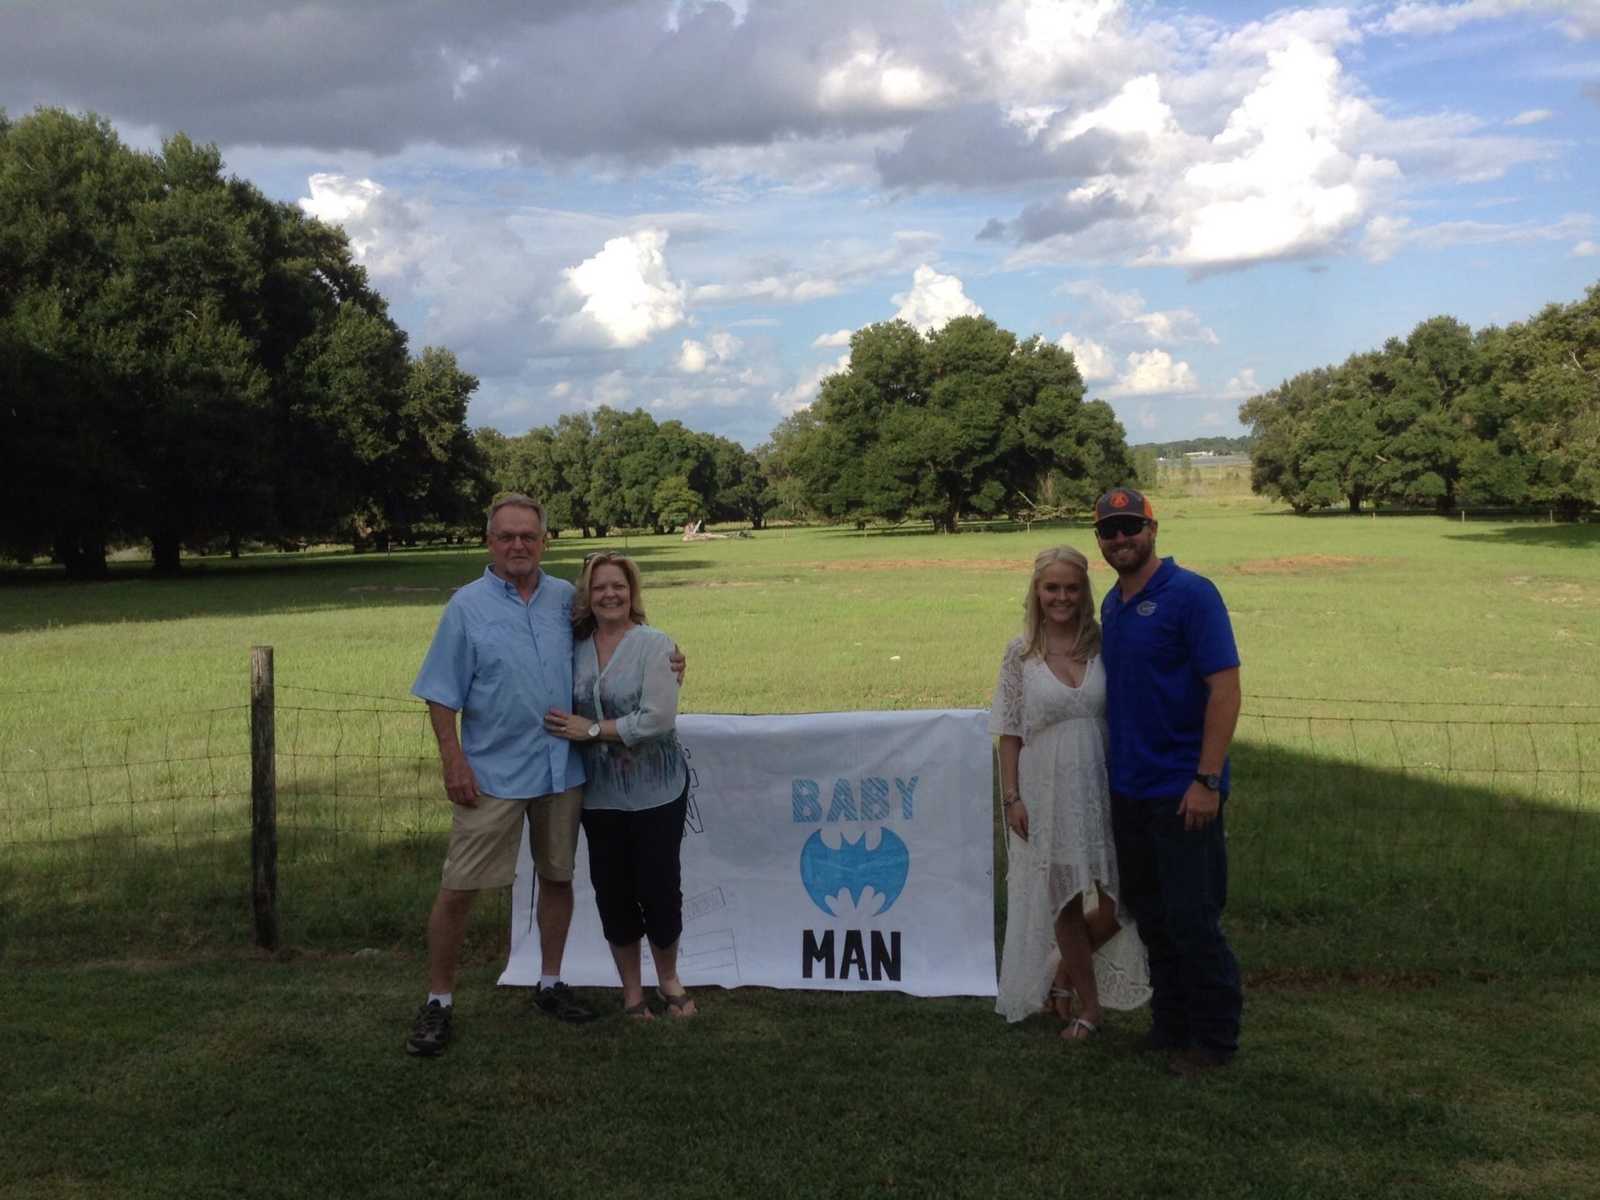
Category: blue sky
<point>688,207</point>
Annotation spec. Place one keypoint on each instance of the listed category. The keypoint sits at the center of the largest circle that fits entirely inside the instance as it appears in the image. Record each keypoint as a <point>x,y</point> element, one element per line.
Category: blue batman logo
<point>854,868</point>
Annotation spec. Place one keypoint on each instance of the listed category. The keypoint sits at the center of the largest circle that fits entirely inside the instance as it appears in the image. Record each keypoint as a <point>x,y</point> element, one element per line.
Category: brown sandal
<point>677,1004</point>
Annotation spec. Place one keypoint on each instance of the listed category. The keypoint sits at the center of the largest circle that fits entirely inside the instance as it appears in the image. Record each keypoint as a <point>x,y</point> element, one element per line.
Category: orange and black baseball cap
<point>1123,502</point>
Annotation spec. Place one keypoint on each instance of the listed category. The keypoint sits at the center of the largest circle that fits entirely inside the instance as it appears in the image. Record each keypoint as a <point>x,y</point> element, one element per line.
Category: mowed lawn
<point>1416,866</point>
<point>1409,608</point>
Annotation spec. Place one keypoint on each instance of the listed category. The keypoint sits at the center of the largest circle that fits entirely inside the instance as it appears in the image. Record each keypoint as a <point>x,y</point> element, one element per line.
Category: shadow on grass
<point>1565,537</point>
<point>271,584</point>
<point>265,1080</point>
<point>1336,866</point>
<point>1339,865</point>
<point>340,890</point>
<point>925,529</point>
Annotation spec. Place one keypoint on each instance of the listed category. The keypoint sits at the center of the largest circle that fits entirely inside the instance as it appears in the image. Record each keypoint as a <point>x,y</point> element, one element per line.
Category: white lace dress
<point>1062,780</point>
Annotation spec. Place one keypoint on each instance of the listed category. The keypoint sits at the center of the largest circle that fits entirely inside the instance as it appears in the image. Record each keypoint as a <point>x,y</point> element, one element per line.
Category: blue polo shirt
<point>502,665</point>
<point>1158,647</point>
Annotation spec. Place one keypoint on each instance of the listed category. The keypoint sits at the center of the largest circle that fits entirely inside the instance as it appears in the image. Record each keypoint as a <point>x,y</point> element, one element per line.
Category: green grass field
<point>1415,838</point>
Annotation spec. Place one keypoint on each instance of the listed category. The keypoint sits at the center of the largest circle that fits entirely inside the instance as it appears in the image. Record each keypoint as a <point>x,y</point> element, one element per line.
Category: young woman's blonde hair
<point>583,622</point>
<point>1086,644</point>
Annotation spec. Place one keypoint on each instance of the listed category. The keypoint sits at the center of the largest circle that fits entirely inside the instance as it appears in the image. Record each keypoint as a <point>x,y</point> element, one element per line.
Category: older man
<point>1172,702</point>
<point>502,658</point>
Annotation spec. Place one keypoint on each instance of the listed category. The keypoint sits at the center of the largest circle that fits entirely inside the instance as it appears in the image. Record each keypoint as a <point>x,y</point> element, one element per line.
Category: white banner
<point>843,851</point>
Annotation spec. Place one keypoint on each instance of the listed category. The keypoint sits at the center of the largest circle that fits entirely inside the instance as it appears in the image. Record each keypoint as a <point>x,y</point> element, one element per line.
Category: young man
<point>1172,702</point>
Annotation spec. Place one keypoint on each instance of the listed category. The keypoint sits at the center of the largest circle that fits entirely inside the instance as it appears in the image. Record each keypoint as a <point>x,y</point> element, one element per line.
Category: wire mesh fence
<point>104,793</point>
<point>1374,832</point>
<point>1411,828</point>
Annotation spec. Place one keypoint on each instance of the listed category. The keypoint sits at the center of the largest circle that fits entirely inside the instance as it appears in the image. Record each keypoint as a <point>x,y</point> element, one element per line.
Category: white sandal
<point>1079,1030</point>
<point>1057,993</point>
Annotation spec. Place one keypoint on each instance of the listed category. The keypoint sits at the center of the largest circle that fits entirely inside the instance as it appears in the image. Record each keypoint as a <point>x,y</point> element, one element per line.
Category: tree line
<point>184,361</point>
<point>188,363</point>
<point>965,420</point>
<point>622,470</point>
<point>1446,418</point>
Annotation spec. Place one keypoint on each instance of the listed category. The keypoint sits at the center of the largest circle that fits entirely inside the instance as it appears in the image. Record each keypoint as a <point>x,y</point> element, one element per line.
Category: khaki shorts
<point>484,840</point>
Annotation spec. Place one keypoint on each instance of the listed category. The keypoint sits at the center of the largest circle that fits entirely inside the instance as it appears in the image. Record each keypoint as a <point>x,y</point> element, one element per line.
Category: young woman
<point>1062,937</point>
<point>625,702</point>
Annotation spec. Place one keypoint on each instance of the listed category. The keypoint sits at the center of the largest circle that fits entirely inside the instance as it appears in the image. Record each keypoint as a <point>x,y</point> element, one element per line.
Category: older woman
<point>625,701</point>
<point>1061,878</point>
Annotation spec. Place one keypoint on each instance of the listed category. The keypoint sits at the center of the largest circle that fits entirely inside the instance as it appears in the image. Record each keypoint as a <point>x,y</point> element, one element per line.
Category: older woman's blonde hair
<point>1087,642</point>
<point>583,622</point>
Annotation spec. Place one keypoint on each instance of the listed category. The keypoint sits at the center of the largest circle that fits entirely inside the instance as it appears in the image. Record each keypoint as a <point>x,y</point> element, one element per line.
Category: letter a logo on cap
<point>1121,500</point>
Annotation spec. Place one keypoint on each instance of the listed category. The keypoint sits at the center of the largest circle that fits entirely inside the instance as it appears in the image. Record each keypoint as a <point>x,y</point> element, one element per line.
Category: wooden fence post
<point>263,799</point>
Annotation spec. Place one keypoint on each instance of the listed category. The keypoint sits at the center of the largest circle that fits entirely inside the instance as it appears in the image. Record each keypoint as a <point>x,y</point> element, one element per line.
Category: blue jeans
<point>1175,884</point>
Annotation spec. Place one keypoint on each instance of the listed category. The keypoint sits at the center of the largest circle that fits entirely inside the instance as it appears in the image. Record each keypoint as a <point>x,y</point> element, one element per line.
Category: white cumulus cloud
<point>1532,117</point>
<point>933,301</point>
<point>1038,48</point>
<point>875,78</point>
<point>1281,182</point>
<point>1243,385</point>
<point>695,357</point>
<point>1586,249</point>
<point>1387,236</point>
<point>1093,359</point>
<point>1123,315</point>
<point>389,236</point>
<point>1384,237</point>
<point>1174,325</point>
<point>1154,373</point>
<point>627,289</point>
<point>792,400</point>
<point>692,358</point>
<point>1578,18</point>
<point>335,198</point>
<point>839,268</point>
<point>839,337</point>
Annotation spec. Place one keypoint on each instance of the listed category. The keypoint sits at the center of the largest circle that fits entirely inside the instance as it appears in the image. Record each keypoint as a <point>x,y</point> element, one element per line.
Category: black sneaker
<point>558,1001</point>
<point>430,1032</point>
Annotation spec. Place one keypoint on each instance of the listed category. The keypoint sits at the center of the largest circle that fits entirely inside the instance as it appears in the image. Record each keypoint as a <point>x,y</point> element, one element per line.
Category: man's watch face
<point>1214,782</point>
<point>594,731</point>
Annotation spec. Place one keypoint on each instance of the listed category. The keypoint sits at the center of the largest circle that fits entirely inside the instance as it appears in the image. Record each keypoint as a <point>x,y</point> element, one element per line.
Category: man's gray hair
<point>513,500</point>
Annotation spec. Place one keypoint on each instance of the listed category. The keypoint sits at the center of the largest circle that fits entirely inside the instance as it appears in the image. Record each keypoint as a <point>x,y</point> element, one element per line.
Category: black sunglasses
<point>1115,527</point>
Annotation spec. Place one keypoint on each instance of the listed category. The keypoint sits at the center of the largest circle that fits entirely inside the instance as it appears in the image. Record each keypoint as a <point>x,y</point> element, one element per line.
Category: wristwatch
<point>1214,782</point>
<point>593,731</point>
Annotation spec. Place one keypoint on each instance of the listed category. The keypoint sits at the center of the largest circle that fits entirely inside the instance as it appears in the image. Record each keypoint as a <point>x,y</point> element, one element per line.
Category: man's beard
<point>1133,567</point>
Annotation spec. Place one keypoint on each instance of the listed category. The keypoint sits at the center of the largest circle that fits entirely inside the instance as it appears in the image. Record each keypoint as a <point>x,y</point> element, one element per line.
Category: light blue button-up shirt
<point>502,664</point>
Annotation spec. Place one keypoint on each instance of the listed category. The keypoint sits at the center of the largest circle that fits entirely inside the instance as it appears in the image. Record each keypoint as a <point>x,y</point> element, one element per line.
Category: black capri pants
<point>634,866</point>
